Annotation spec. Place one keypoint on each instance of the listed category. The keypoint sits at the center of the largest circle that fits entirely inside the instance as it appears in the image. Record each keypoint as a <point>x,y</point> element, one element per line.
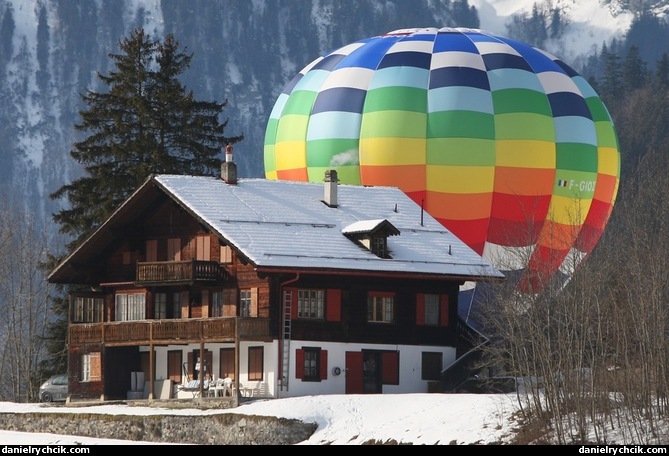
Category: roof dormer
<point>372,234</point>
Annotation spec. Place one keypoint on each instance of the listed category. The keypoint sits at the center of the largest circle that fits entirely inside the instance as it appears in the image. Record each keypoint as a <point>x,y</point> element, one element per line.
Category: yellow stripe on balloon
<point>608,160</point>
<point>460,179</point>
<point>526,153</point>
<point>291,155</point>
<point>392,151</point>
<point>569,211</point>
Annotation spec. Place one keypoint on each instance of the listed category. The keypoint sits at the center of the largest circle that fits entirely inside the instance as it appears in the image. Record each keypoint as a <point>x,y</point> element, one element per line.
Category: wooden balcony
<point>179,331</point>
<point>163,272</point>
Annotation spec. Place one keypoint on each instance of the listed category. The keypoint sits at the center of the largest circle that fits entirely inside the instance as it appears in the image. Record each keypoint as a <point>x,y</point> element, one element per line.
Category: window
<point>256,363</point>
<point>432,309</point>
<point>131,306</point>
<point>176,305</point>
<point>88,309</point>
<point>217,304</point>
<point>310,303</point>
<point>244,303</point>
<point>312,362</point>
<point>160,303</point>
<point>431,366</point>
<point>90,367</point>
<point>380,308</point>
<point>379,246</point>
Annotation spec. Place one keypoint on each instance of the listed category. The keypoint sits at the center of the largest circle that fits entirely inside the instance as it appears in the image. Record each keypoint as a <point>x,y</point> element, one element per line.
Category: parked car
<point>54,389</point>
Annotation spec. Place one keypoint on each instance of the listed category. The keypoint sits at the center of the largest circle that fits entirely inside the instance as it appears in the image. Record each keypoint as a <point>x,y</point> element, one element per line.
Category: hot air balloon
<point>503,143</point>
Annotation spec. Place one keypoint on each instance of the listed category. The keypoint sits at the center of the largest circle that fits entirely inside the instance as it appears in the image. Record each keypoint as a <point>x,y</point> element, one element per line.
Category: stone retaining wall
<point>216,429</point>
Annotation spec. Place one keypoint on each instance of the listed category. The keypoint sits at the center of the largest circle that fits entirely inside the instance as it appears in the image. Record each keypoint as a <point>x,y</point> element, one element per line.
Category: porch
<point>161,332</point>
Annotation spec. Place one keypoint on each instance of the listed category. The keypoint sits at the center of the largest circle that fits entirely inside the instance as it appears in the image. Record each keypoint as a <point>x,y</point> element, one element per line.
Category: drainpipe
<point>280,357</point>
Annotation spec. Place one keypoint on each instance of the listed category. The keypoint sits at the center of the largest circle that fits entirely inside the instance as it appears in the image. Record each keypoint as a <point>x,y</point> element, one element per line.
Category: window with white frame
<point>160,306</point>
<point>88,309</point>
<point>432,309</point>
<point>91,367</point>
<point>310,303</point>
<point>380,308</point>
<point>244,303</point>
<point>130,306</point>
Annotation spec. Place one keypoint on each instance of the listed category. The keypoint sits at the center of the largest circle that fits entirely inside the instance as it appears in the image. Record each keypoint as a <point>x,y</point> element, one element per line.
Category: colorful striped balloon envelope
<point>503,143</point>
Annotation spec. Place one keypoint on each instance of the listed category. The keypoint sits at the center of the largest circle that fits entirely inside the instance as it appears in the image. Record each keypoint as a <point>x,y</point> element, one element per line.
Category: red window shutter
<point>299,363</point>
<point>333,304</point>
<point>443,310</point>
<point>324,365</point>
<point>420,309</point>
<point>390,360</point>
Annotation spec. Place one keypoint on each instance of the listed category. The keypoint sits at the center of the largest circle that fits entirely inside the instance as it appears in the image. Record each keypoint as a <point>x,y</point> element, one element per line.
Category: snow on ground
<point>430,419</point>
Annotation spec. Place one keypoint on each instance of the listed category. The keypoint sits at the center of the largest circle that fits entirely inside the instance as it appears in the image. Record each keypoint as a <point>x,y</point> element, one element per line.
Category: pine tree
<point>146,123</point>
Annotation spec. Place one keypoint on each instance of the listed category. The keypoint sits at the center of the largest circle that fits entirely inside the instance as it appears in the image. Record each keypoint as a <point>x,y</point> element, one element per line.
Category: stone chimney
<point>228,167</point>
<point>330,194</point>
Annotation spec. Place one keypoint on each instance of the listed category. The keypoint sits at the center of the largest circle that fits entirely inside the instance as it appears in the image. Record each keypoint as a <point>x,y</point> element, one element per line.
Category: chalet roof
<point>286,225</point>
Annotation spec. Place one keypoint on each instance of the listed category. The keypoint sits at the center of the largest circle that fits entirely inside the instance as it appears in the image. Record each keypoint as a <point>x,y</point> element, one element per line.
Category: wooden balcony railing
<point>178,271</point>
<point>170,331</point>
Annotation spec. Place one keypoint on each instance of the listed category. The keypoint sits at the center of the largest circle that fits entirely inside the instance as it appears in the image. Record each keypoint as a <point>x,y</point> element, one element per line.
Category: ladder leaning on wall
<point>285,338</point>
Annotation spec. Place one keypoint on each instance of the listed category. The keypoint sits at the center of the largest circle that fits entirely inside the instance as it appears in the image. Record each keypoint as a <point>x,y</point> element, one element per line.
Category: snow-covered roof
<point>283,224</point>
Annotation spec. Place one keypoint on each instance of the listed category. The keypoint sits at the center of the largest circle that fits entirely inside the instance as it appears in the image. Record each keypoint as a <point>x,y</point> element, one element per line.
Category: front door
<point>371,372</point>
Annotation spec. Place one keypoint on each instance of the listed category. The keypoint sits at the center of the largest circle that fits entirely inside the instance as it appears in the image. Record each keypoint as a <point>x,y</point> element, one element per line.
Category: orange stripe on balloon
<point>298,174</point>
<point>524,181</point>
<point>606,187</point>
<point>457,206</point>
<point>558,236</point>
<point>408,178</point>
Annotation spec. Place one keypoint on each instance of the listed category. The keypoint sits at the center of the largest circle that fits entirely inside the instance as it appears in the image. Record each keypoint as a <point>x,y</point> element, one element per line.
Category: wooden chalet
<point>286,288</point>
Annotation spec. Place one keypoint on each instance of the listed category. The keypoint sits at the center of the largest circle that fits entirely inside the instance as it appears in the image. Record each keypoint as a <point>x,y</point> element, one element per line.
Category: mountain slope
<point>244,51</point>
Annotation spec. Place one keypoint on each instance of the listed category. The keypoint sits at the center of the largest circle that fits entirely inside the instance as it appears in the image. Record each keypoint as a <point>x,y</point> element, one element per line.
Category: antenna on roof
<point>421,211</point>
<point>395,207</point>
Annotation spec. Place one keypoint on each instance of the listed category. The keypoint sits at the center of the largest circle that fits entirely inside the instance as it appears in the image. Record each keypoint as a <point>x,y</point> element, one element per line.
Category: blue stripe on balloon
<point>567,69</point>
<point>568,104</point>
<point>334,125</point>
<point>512,78</point>
<point>458,76</point>
<point>537,60</point>
<point>289,87</point>
<point>329,62</point>
<point>312,81</point>
<point>502,60</point>
<point>278,106</point>
<point>459,99</point>
<point>584,87</point>
<point>345,99</point>
<point>369,55</point>
<point>575,129</point>
<point>454,41</point>
<point>400,77</point>
<point>407,58</point>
